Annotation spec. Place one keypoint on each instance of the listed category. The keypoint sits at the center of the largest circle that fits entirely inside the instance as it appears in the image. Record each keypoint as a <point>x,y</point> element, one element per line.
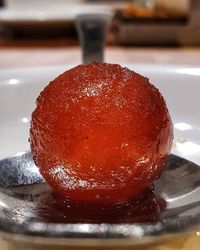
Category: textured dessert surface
<point>100,133</point>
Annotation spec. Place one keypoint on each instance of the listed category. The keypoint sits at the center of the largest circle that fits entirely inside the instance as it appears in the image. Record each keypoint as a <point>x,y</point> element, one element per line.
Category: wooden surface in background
<point>191,242</point>
<point>23,54</point>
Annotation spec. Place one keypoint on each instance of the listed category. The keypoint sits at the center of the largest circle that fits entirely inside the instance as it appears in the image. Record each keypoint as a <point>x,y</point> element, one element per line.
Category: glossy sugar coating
<point>100,133</point>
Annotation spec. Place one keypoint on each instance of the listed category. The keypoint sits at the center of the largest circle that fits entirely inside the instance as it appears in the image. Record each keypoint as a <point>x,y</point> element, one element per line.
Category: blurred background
<point>137,24</point>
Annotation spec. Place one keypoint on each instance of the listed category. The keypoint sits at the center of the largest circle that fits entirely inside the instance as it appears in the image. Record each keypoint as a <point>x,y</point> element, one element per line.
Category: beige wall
<point>179,7</point>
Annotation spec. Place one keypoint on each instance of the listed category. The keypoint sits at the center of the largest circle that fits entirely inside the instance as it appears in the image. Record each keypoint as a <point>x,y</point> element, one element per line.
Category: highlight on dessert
<point>100,133</point>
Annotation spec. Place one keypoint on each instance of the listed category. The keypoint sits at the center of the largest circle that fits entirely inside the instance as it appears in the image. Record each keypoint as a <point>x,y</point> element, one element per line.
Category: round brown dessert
<point>100,133</point>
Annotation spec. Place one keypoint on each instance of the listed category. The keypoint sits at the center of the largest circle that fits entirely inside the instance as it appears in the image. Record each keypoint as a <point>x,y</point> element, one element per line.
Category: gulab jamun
<point>100,133</point>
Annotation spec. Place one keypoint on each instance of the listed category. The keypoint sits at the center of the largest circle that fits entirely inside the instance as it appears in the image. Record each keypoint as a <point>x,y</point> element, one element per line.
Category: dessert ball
<point>100,133</point>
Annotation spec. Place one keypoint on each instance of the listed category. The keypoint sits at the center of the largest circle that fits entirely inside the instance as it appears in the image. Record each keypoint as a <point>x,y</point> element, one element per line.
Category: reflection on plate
<point>170,208</point>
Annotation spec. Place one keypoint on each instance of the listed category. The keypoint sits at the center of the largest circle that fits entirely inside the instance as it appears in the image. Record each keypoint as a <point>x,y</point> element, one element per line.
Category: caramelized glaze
<point>100,133</point>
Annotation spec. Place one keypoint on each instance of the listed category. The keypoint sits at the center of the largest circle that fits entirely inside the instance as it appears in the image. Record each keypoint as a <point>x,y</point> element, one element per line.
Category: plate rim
<point>153,67</point>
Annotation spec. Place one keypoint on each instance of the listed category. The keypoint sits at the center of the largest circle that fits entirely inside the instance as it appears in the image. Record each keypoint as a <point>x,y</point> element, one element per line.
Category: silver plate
<point>22,186</point>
